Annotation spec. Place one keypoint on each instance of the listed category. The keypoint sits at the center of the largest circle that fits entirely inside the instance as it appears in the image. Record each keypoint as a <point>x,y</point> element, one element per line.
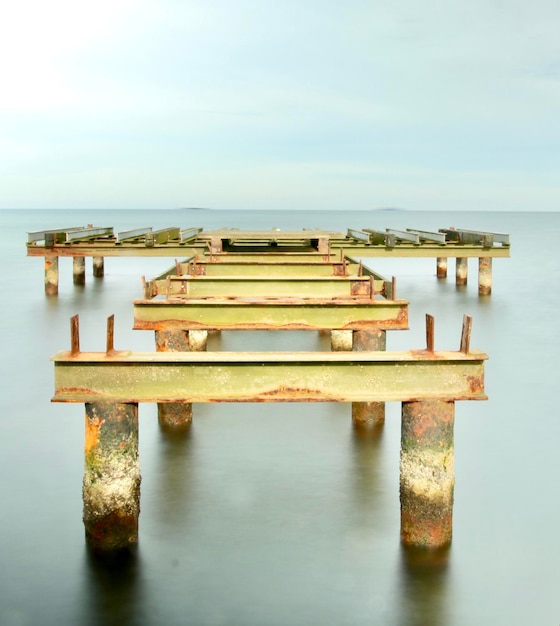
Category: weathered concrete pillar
<point>181,340</point>
<point>441,267</point>
<point>176,414</point>
<point>98,266</point>
<point>79,270</point>
<point>198,340</point>
<point>51,275</point>
<point>461,270</point>
<point>341,340</point>
<point>484,276</point>
<point>371,414</point>
<point>111,488</point>
<point>427,474</point>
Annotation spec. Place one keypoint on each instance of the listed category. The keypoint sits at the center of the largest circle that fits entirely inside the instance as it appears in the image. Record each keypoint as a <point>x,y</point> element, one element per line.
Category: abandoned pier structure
<point>99,242</point>
<point>271,280</point>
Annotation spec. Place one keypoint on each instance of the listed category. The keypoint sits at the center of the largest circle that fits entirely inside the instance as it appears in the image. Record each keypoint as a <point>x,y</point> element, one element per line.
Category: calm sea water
<point>280,514</point>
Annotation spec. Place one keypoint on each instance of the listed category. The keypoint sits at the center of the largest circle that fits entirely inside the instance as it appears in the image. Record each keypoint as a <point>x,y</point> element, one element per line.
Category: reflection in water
<point>367,483</point>
<point>174,476</point>
<point>112,589</point>
<point>423,579</point>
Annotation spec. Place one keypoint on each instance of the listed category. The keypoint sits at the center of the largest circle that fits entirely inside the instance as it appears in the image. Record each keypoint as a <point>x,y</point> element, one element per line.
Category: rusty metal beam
<point>287,258</point>
<point>279,314</point>
<point>192,247</point>
<point>268,376</point>
<point>423,250</point>
<point>205,267</point>
<point>269,286</point>
<point>124,249</point>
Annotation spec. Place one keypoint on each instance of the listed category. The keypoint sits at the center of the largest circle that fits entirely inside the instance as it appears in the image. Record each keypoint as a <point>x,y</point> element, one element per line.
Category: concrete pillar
<point>441,267</point>
<point>427,474</point>
<point>51,275</point>
<point>484,276</point>
<point>98,266</point>
<point>461,271</point>
<point>79,270</point>
<point>181,340</point>
<point>371,414</point>
<point>111,488</point>
<point>341,340</point>
<point>176,414</point>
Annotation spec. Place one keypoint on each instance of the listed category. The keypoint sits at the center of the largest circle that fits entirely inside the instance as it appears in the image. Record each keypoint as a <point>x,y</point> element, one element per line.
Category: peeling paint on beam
<point>264,268</point>
<point>267,286</point>
<point>269,376</point>
<point>287,314</point>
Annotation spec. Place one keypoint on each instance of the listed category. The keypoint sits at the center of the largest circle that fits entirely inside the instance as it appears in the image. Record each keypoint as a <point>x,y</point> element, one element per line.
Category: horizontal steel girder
<point>191,248</point>
<point>268,269</point>
<point>269,286</point>
<point>281,314</point>
<point>285,258</point>
<point>268,376</point>
<point>124,249</point>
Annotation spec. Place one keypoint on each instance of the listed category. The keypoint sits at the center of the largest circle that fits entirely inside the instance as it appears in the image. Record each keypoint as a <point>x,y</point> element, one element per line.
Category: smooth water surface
<point>282,514</point>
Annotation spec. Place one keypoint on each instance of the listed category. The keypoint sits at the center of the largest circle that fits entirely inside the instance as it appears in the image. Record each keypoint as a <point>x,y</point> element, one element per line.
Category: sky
<point>280,104</point>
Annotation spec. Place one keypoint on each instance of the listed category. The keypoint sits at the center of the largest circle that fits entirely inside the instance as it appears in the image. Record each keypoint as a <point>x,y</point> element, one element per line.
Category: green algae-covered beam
<point>268,376</point>
<point>270,314</point>
<point>264,268</point>
<point>269,286</point>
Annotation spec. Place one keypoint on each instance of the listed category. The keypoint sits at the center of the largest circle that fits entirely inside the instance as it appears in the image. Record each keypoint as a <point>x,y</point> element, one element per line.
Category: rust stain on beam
<point>269,376</point>
<point>270,314</point>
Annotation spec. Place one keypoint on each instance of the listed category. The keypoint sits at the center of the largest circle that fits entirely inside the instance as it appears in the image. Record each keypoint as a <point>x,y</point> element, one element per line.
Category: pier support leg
<point>79,270</point>
<point>427,475</point>
<point>371,414</point>
<point>341,340</point>
<point>111,488</point>
<point>175,414</point>
<point>98,266</point>
<point>484,276</point>
<point>461,271</point>
<point>441,267</point>
<point>51,275</point>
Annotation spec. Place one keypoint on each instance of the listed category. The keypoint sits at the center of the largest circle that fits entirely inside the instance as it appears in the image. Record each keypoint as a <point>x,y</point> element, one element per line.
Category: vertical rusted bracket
<point>177,268</point>
<point>429,332</point>
<point>145,288</point>
<point>390,289</point>
<point>111,335</point>
<point>360,268</point>
<point>75,335</point>
<point>466,334</point>
<point>167,287</point>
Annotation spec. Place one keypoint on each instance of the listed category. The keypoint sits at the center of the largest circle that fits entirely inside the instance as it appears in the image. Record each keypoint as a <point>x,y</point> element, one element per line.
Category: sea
<point>282,514</point>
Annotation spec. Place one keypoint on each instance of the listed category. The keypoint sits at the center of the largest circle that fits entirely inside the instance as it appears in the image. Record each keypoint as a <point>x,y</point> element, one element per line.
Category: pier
<point>282,280</point>
<point>112,383</point>
<point>100,242</point>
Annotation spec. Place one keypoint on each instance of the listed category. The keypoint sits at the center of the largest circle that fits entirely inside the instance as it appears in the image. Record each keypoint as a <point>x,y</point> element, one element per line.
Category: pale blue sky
<point>306,104</point>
